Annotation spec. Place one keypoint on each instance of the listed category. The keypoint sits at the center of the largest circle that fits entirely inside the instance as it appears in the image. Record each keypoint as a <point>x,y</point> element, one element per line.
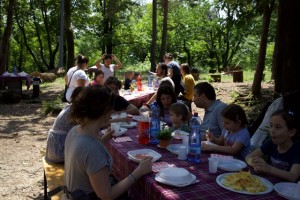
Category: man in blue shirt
<point>205,97</point>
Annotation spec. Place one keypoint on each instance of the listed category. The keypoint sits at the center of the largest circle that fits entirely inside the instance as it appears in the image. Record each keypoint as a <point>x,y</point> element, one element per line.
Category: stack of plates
<point>178,177</point>
<point>231,165</point>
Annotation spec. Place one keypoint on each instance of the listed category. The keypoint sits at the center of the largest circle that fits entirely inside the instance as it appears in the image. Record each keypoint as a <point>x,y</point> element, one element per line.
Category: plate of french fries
<point>245,183</point>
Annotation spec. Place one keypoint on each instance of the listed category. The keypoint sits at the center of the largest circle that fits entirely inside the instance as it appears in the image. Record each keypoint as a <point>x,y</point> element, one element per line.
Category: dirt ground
<point>23,135</point>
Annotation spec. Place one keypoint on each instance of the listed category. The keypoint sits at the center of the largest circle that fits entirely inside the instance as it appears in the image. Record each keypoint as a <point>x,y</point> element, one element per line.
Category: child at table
<point>282,152</point>
<point>235,138</point>
<point>98,78</point>
<point>179,115</point>
<point>128,78</point>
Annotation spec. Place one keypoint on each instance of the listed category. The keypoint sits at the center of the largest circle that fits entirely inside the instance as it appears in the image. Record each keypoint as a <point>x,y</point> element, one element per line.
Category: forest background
<point>209,35</point>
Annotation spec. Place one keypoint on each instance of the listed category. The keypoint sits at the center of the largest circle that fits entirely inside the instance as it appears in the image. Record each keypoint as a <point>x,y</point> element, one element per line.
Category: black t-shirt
<point>120,103</point>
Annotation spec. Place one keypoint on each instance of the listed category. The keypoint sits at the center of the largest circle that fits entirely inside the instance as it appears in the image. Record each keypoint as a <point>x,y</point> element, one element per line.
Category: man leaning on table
<point>107,67</point>
<point>205,97</point>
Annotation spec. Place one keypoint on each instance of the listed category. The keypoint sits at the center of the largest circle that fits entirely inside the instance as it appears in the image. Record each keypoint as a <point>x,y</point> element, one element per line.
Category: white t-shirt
<point>78,75</point>
<point>108,72</point>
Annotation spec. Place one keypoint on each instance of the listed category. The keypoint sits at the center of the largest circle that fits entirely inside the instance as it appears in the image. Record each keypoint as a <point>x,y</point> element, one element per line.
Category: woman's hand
<point>207,147</point>
<point>144,167</point>
<point>107,136</point>
<point>260,165</point>
<point>210,136</point>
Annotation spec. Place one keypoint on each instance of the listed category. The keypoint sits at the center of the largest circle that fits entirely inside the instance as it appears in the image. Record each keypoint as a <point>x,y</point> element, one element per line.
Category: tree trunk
<point>165,29</point>
<point>154,35</point>
<point>5,39</point>
<point>69,35</point>
<point>256,86</point>
<point>288,62</point>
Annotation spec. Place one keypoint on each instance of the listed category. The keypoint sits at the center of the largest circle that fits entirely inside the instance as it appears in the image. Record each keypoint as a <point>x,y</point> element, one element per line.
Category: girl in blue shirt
<point>283,159</point>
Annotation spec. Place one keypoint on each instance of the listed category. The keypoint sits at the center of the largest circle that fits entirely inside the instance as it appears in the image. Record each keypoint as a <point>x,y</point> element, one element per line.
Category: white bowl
<point>176,175</point>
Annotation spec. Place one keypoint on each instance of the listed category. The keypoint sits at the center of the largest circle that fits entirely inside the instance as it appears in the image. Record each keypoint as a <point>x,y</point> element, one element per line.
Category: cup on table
<point>114,116</point>
<point>213,165</point>
<point>116,128</point>
<point>185,141</point>
<point>182,153</point>
<point>123,115</point>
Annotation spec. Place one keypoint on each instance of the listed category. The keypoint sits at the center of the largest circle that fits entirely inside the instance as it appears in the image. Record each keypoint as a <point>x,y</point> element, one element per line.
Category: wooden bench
<point>53,178</point>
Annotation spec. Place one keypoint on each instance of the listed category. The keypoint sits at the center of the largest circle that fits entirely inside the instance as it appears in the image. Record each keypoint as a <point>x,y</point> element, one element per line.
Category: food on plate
<point>244,181</point>
<point>141,156</point>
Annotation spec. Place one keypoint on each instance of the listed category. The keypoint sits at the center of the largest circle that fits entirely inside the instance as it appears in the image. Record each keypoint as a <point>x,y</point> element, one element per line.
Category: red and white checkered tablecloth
<point>148,188</point>
<point>137,98</point>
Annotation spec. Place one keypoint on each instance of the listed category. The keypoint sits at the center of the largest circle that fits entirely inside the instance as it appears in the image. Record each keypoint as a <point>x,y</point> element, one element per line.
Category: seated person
<point>88,164</point>
<point>128,78</point>
<point>287,102</point>
<point>180,115</point>
<point>283,160</point>
<point>205,97</point>
<point>58,132</point>
<point>235,138</point>
<point>98,78</point>
<point>165,98</point>
<point>121,104</point>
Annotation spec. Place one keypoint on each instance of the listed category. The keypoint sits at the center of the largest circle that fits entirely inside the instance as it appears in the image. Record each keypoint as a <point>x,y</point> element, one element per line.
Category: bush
<point>52,107</point>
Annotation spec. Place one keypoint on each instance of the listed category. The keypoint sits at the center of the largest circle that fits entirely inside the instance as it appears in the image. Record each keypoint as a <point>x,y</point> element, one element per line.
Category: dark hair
<point>97,73</point>
<point>290,118</point>
<point>91,103</point>
<point>167,83</point>
<point>107,56</point>
<point>76,92</point>
<point>165,90</point>
<point>169,56</point>
<point>81,60</point>
<point>186,68</point>
<point>113,80</point>
<point>207,89</point>
<point>164,68</point>
<point>180,109</point>
<point>235,112</point>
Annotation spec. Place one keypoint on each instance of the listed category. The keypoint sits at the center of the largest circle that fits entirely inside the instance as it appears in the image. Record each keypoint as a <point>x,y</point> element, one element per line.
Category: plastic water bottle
<point>143,126</point>
<point>154,124</point>
<point>139,83</point>
<point>194,140</point>
<point>150,81</point>
<point>15,70</point>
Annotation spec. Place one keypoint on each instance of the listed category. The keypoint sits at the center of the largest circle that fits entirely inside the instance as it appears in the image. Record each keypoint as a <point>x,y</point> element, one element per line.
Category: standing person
<point>235,138</point>
<point>87,162</point>
<point>282,152</point>
<point>98,78</point>
<point>174,73</point>
<point>188,85</point>
<point>107,67</point>
<point>76,76</point>
<point>205,97</point>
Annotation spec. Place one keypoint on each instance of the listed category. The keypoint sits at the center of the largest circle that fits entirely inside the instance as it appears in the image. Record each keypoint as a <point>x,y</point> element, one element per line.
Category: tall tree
<point>154,35</point>
<point>165,6</point>
<point>69,34</point>
<point>6,37</point>
<point>287,62</point>
<point>256,86</point>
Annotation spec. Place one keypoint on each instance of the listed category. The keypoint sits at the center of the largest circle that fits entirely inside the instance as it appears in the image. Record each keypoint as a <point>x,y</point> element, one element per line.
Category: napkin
<point>6,74</point>
<point>122,139</point>
<point>158,166</point>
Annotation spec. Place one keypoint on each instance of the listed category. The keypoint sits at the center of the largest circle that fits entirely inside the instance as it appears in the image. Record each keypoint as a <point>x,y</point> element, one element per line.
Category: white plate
<point>130,125</point>
<point>159,178</point>
<point>268,184</point>
<point>286,190</point>
<point>179,134</point>
<point>174,148</point>
<point>149,152</point>
<point>231,165</point>
<point>121,132</point>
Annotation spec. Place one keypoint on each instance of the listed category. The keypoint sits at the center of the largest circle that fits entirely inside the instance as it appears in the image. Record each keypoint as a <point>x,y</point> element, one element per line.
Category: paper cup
<point>182,153</point>
<point>213,165</point>
<point>116,128</point>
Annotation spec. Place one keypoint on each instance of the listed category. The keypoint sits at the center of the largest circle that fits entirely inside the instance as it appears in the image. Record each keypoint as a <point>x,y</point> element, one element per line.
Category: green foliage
<point>165,133</point>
